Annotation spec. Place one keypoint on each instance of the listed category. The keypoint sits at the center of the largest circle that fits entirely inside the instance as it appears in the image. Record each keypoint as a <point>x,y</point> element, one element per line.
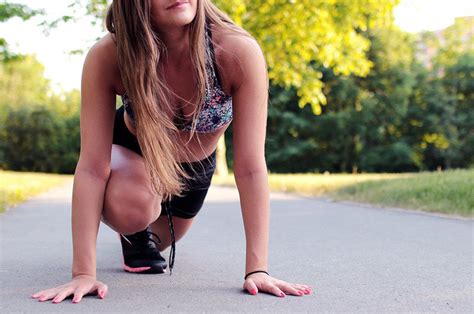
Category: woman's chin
<point>176,22</point>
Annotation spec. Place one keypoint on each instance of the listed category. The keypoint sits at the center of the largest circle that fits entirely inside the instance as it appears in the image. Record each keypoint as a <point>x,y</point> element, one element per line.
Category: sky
<point>64,70</point>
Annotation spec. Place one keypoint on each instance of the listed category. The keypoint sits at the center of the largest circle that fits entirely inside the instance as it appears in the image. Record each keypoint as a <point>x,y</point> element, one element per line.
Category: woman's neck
<point>176,42</point>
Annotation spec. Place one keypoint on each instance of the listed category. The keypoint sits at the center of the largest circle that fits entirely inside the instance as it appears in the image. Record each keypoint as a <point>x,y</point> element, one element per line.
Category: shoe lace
<point>142,235</point>
<point>148,233</point>
<point>171,257</point>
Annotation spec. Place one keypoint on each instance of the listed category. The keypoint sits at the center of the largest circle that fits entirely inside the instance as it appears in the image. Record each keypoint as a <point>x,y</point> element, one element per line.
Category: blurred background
<point>370,100</point>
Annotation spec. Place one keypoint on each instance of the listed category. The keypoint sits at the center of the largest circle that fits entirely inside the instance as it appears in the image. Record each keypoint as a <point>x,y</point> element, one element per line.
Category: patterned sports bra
<point>217,108</point>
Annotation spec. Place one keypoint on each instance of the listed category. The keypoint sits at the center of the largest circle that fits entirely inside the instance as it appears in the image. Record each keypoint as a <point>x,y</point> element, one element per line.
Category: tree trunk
<point>221,161</point>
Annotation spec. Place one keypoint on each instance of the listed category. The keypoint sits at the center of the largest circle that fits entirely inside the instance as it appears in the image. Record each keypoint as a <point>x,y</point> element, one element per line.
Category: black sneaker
<point>140,254</point>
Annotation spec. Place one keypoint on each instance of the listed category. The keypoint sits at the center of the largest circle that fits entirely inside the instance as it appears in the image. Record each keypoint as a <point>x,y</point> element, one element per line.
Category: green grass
<point>16,187</point>
<point>449,192</point>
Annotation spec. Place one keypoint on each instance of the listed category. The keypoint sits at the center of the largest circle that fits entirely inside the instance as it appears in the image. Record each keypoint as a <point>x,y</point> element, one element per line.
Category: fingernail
<point>101,294</point>
<point>282,295</point>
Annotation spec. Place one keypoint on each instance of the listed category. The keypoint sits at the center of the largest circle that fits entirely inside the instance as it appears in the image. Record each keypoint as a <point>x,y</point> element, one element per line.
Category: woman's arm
<point>250,100</point>
<point>250,107</point>
<point>92,173</point>
<point>93,168</point>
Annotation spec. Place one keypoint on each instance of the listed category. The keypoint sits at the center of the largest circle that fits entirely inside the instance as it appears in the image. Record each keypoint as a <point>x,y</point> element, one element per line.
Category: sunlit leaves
<point>297,34</point>
<point>8,11</point>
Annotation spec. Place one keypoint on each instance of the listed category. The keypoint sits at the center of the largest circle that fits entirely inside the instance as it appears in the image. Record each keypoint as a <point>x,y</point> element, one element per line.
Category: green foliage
<point>39,139</point>
<point>385,110</point>
<point>442,49</point>
<point>398,118</point>
<point>457,40</point>
<point>39,130</point>
<point>22,82</point>
<point>8,11</point>
<point>296,34</point>
<point>458,82</point>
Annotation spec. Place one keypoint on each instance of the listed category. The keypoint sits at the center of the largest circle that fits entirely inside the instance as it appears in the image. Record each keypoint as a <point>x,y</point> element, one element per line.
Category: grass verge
<point>16,187</point>
<point>449,192</point>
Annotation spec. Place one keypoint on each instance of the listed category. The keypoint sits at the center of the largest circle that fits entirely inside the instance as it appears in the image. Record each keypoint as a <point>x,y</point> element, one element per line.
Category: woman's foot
<point>140,254</point>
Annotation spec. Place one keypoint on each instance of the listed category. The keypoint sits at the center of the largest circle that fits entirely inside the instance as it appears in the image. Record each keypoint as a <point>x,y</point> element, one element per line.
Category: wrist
<point>83,273</point>
<point>256,266</point>
<point>255,272</point>
<point>256,261</point>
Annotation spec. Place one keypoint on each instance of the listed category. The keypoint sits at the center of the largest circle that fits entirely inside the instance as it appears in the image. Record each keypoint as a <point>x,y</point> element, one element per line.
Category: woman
<point>185,71</point>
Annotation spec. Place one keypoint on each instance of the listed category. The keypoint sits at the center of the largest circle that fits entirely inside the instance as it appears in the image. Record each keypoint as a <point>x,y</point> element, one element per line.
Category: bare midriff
<point>200,146</point>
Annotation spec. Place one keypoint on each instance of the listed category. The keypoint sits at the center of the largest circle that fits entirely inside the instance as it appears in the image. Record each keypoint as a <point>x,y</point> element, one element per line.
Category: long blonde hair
<point>139,50</point>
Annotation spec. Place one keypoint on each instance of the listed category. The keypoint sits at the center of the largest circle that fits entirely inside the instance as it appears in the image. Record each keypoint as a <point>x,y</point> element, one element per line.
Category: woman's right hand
<point>79,286</point>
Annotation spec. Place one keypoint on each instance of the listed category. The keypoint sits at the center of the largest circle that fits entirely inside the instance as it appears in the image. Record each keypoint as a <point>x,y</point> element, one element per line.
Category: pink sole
<point>135,270</point>
<point>132,269</point>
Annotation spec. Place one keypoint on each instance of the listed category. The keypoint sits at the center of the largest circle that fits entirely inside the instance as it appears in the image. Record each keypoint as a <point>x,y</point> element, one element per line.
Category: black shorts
<point>193,197</point>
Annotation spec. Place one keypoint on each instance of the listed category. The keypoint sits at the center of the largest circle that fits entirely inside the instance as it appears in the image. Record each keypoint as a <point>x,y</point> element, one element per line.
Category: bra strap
<point>212,53</point>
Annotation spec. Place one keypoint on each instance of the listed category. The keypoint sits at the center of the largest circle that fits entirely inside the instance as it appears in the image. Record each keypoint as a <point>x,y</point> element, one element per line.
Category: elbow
<point>99,172</point>
<point>244,169</point>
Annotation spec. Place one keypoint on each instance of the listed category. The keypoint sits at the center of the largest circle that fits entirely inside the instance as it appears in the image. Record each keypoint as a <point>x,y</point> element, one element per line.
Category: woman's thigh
<point>130,204</point>
<point>131,182</point>
<point>183,209</point>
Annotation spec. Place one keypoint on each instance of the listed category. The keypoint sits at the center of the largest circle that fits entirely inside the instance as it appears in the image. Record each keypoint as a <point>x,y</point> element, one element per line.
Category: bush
<point>39,139</point>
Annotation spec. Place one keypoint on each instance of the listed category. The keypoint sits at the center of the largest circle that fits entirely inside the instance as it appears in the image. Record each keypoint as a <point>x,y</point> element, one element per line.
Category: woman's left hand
<point>265,283</point>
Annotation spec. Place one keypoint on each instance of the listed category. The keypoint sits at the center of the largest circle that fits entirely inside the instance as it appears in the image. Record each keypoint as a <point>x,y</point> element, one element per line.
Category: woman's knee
<point>129,210</point>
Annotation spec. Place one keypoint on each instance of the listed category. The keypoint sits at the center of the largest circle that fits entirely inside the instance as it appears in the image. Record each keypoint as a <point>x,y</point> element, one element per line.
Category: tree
<point>8,11</point>
<point>297,34</point>
<point>443,48</point>
<point>22,82</point>
<point>458,82</point>
<point>449,91</point>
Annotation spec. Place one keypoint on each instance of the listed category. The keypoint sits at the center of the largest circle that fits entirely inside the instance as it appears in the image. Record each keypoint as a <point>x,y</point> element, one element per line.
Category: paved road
<point>357,258</point>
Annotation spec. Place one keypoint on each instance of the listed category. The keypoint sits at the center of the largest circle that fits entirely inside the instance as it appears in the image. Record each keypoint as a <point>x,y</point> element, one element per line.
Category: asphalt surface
<point>357,259</point>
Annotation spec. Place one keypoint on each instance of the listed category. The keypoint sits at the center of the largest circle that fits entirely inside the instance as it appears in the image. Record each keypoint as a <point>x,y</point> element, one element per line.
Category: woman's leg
<point>129,202</point>
<point>160,227</point>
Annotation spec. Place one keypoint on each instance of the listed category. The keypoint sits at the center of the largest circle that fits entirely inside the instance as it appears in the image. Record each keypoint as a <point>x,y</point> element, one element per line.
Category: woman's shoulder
<point>103,55</point>
<point>104,50</point>
<point>233,52</point>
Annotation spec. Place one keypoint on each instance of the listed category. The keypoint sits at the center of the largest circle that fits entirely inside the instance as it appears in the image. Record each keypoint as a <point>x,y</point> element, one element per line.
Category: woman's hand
<point>79,286</point>
<point>265,283</point>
